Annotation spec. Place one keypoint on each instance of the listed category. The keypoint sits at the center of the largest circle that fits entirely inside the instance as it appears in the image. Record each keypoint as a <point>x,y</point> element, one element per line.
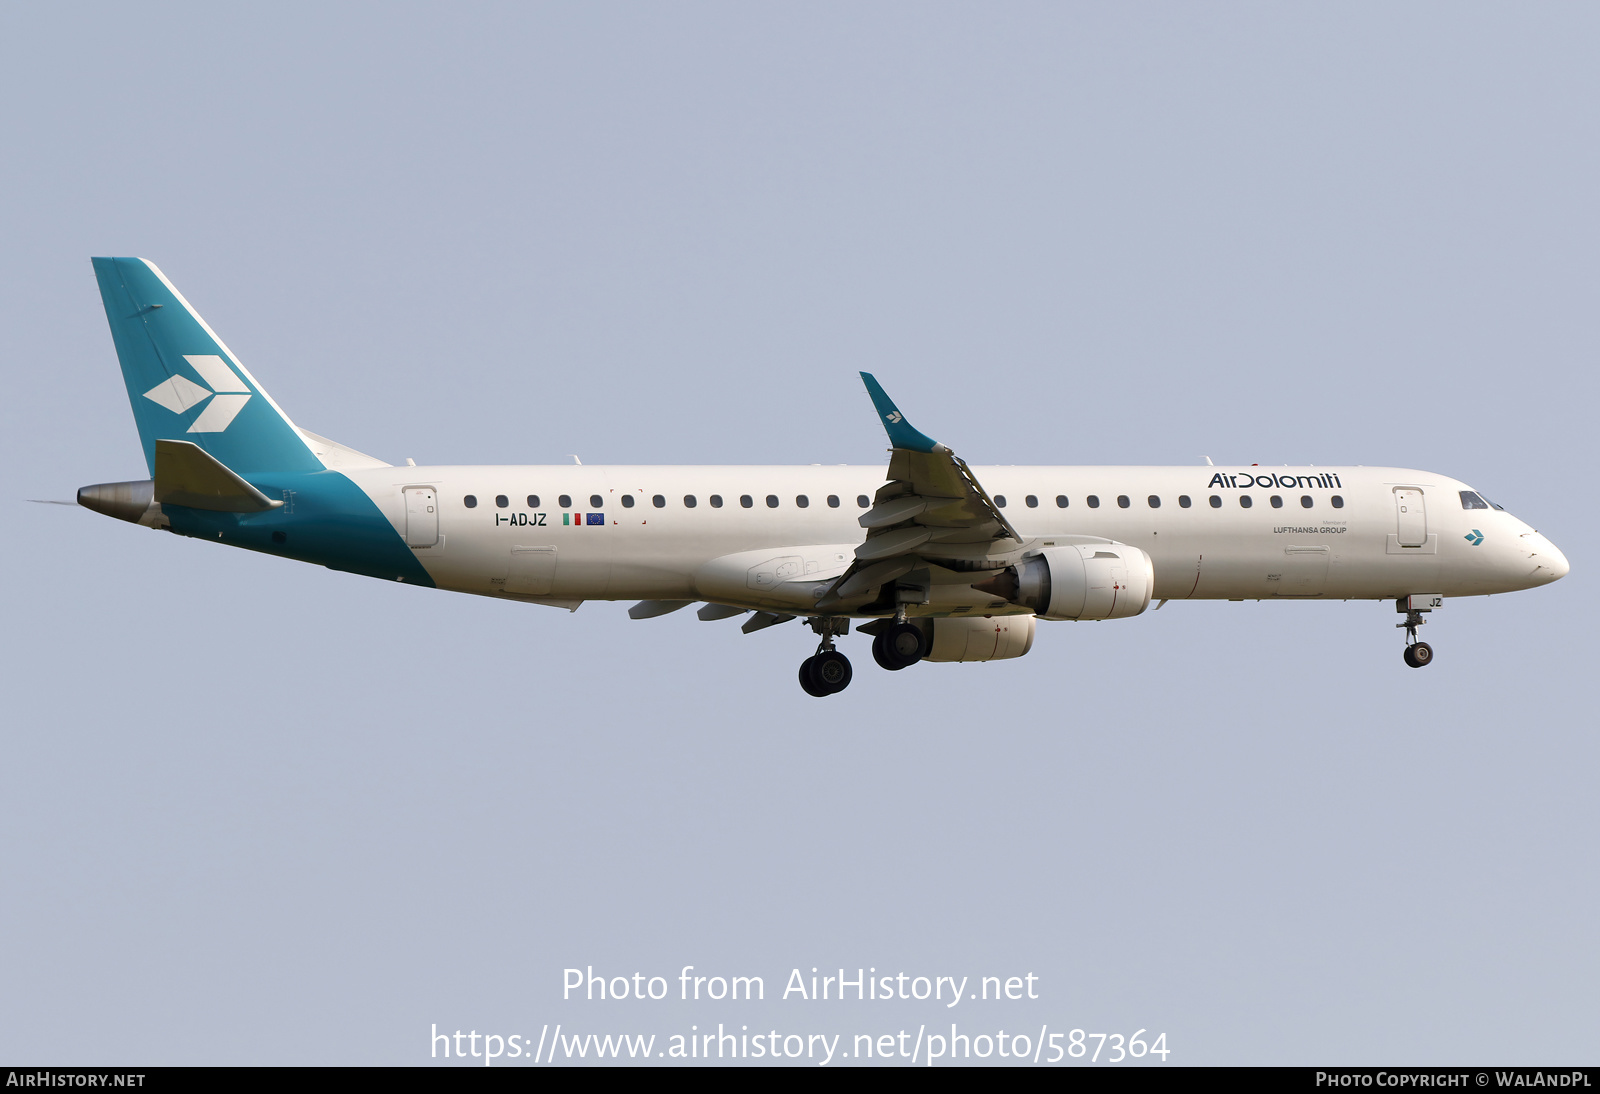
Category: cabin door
<point>422,516</point>
<point>1410,516</point>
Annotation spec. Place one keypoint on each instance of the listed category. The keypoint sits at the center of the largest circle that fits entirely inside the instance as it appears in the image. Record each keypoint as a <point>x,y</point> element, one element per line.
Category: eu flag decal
<point>596,518</point>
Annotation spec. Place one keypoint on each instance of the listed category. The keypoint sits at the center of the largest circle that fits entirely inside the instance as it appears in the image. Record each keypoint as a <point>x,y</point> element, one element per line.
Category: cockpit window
<point>1471,500</point>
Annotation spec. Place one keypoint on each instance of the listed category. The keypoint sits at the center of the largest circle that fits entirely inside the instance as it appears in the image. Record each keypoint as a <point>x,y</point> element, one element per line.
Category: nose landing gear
<point>827,671</point>
<point>1416,654</point>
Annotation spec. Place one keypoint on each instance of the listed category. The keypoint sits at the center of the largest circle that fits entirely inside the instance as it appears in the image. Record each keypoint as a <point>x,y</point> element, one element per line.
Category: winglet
<point>901,433</point>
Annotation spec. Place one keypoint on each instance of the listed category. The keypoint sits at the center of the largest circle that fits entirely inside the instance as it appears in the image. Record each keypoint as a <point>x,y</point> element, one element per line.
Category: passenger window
<point>1122,501</point>
<point>1471,500</point>
<point>627,501</point>
<point>1000,500</point>
<point>772,501</point>
<point>1184,501</point>
<point>863,501</point>
<point>564,499</point>
<point>1216,502</point>
<point>1305,501</point>
<point>1245,502</point>
<point>688,501</point>
<point>1338,502</point>
<point>746,500</point>
<point>470,501</point>
<point>716,501</point>
<point>1155,502</point>
<point>1093,500</point>
<point>1061,501</point>
<point>833,501</point>
<point>1277,502</point>
<point>501,501</point>
<point>533,501</point>
<point>596,501</point>
<point>801,501</point>
<point>1032,501</point>
<point>659,501</point>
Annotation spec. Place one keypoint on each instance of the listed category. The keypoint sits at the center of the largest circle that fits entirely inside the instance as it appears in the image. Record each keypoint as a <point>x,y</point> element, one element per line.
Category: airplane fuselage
<point>1306,533</point>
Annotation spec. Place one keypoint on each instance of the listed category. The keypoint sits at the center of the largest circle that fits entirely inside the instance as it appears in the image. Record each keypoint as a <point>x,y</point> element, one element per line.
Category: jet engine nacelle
<point>1080,581</point>
<point>987,638</point>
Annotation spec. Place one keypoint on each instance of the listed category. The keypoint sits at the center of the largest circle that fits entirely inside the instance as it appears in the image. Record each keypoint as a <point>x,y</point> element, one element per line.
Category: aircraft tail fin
<point>185,384</point>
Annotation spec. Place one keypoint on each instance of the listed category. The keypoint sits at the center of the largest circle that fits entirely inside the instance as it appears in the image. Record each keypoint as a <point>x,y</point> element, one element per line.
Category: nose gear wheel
<point>1416,654</point>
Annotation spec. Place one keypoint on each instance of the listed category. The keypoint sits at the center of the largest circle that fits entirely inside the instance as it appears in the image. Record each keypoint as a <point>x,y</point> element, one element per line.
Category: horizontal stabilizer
<point>187,475</point>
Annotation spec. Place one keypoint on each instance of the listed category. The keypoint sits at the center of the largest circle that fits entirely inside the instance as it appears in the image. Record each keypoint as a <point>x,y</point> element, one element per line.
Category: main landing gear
<point>896,645</point>
<point>1417,654</point>
<point>899,646</point>
<point>827,671</point>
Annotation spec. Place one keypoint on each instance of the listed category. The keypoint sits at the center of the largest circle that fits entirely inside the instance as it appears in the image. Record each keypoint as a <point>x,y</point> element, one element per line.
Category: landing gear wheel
<point>901,646</point>
<point>831,671</point>
<point>1419,655</point>
<point>825,673</point>
<point>881,657</point>
<point>807,681</point>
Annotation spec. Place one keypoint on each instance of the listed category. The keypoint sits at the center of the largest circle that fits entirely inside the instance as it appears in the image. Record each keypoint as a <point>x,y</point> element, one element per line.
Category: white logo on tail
<point>227,393</point>
<point>894,417</point>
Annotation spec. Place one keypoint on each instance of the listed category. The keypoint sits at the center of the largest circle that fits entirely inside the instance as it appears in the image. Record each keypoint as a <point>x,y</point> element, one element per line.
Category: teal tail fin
<point>184,384</point>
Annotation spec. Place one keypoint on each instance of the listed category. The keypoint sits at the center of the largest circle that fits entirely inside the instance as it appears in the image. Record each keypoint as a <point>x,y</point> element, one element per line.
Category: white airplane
<point>947,562</point>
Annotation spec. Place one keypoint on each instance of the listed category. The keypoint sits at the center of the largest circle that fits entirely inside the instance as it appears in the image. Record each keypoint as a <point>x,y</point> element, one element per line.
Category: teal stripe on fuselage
<point>325,519</point>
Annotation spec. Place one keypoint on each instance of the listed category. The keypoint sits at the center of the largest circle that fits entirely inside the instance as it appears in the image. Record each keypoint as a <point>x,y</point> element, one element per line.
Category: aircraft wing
<point>932,510</point>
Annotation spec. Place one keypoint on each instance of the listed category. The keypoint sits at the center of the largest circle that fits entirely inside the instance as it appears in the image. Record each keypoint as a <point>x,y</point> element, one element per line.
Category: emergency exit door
<point>1410,516</point>
<point>422,516</point>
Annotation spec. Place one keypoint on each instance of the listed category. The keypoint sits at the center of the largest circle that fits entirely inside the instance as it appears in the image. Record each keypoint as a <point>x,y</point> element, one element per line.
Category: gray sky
<point>254,811</point>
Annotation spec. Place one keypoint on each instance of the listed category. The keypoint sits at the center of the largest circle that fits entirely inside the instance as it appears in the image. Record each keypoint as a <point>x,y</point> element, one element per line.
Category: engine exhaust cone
<point>1003,585</point>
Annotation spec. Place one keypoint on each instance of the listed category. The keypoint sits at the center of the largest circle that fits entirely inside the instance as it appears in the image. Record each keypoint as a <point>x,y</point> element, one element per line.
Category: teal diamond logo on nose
<point>1475,537</point>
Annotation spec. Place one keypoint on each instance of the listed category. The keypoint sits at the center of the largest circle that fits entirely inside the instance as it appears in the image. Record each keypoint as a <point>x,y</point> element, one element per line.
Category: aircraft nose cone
<point>1552,564</point>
